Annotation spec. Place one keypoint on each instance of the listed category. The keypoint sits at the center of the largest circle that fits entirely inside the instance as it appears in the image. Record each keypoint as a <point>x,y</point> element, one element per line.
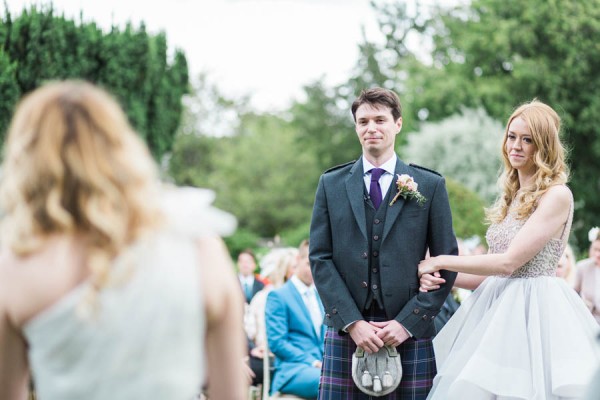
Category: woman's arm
<point>547,220</point>
<point>225,338</point>
<point>14,370</point>
<point>464,281</point>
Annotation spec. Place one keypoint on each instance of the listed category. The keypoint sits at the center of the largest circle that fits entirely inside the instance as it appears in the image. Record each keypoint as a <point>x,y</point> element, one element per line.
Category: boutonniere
<point>408,188</point>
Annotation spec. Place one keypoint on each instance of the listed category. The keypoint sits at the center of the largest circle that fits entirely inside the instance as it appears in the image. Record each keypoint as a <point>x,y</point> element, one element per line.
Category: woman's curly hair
<point>549,158</point>
<point>74,166</point>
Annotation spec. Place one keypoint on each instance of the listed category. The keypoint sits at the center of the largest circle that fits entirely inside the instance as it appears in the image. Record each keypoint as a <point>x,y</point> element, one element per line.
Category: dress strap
<point>568,222</point>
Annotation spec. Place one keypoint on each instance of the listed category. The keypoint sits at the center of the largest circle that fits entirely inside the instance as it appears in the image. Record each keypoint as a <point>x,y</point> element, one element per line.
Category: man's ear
<point>399,124</point>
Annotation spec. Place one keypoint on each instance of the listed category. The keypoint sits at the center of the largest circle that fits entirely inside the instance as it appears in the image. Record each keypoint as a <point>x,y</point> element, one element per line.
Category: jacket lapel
<point>355,189</point>
<point>393,211</point>
<point>300,301</point>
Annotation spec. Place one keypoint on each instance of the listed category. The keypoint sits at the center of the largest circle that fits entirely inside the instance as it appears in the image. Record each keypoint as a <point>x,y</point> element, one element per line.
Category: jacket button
<point>416,311</point>
<point>327,315</point>
<point>365,255</point>
<point>334,311</point>
<point>374,287</point>
<point>432,317</point>
<point>364,284</point>
<point>375,270</point>
<point>375,253</point>
<point>377,221</point>
<point>425,317</point>
<point>376,237</point>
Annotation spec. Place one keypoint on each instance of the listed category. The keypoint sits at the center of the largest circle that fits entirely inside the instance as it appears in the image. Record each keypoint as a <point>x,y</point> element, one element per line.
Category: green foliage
<point>9,89</point>
<point>499,53</point>
<point>192,160</point>
<point>465,147</point>
<point>468,215</point>
<point>241,239</point>
<point>263,178</point>
<point>294,236</point>
<point>324,126</point>
<point>39,45</point>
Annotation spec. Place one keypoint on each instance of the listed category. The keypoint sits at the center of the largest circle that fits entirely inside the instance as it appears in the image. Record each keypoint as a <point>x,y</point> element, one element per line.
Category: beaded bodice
<point>543,263</point>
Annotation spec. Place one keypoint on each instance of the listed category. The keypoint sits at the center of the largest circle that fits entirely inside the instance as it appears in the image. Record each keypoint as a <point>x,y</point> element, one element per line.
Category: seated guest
<point>295,332</point>
<point>587,279</point>
<point>246,263</point>
<point>274,268</point>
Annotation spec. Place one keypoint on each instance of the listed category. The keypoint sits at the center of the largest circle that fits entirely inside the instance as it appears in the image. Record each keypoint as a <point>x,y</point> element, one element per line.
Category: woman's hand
<point>431,282</point>
<point>429,266</point>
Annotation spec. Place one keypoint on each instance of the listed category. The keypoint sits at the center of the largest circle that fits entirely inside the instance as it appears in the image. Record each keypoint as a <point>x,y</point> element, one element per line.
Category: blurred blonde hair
<point>549,158</point>
<point>570,267</point>
<point>74,166</point>
<point>276,263</point>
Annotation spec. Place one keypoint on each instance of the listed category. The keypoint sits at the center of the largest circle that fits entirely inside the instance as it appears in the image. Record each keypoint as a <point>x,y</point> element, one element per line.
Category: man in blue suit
<point>295,332</point>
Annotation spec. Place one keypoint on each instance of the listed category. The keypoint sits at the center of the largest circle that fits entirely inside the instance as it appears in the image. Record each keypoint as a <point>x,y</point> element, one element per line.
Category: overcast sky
<point>265,48</point>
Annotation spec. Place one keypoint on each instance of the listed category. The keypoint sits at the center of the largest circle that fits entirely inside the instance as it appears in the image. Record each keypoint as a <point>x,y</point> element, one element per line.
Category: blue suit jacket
<point>291,335</point>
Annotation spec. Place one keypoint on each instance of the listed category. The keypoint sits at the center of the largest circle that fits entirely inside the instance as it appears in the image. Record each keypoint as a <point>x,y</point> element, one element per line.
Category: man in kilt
<point>373,221</point>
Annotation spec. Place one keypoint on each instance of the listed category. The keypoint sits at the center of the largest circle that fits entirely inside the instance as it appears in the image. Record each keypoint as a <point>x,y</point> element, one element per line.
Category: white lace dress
<point>146,340</point>
<point>526,336</point>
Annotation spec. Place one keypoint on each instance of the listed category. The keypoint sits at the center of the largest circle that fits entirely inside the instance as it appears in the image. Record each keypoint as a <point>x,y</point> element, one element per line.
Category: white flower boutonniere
<point>408,188</point>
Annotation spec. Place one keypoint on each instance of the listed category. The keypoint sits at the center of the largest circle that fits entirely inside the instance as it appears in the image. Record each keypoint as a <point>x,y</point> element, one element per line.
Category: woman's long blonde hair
<point>74,166</point>
<point>549,158</point>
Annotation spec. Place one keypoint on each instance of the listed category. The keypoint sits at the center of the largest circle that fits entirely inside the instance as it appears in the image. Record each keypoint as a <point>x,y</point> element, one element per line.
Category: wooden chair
<point>267,380</point>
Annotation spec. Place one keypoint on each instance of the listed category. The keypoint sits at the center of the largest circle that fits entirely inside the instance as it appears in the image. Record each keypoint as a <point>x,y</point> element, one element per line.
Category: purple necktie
<point>375,189</point>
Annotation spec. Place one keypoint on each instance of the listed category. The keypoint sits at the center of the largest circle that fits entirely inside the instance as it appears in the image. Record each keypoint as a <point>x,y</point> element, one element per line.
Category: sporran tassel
<point>367,381</point>
<point>387,379</point>
<point>376,384</point>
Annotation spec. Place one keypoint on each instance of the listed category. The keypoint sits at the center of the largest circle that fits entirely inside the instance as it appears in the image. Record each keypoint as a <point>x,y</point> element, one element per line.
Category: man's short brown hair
<point>378,97</point>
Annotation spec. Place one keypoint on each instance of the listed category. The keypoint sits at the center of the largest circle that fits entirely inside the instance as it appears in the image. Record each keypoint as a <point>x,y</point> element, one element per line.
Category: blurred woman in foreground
<point>111,287</point>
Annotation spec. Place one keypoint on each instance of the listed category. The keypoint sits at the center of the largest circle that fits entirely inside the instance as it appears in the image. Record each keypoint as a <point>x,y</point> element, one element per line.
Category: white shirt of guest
<point>386,178</point>
<point>309,296</point>
<point>247,280</point>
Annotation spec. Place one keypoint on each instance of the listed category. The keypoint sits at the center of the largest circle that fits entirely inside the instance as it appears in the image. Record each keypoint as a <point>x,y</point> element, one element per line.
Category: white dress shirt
<point>309,296</point>
<point>386,178</point>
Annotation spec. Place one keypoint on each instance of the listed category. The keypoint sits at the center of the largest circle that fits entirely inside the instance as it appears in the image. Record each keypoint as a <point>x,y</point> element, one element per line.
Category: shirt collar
<point>389,166</point>
<point>300,286</point>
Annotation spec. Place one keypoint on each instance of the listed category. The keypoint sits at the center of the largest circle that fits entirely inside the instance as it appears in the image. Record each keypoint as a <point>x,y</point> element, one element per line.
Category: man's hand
<point>431,282</point>
<point>365,335</point>
<point>258,352</point>
<point>392,333</point>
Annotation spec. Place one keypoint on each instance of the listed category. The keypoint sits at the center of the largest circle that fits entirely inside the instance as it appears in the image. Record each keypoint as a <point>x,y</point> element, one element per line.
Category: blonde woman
<point>524,333</point>
<point>109,285</point>
<point>587,282</point>
<point>566,268</point>
<point>275,267</point>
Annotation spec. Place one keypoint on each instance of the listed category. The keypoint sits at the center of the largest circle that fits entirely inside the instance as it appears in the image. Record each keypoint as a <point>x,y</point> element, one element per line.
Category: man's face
<point>246,264</point>
<point>303,271</point>
<point>376,130</point>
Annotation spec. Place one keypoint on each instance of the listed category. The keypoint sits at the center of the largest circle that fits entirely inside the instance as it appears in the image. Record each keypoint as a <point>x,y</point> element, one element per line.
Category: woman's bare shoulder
<point>557,197</point>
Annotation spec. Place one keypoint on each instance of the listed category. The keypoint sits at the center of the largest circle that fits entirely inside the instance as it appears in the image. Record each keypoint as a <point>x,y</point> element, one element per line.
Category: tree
<point>324,126</point>
<point>468,215</point>
<point>39,45</point>
<point>264,178</point>
<point>464,147</point>
<point>499,53</point>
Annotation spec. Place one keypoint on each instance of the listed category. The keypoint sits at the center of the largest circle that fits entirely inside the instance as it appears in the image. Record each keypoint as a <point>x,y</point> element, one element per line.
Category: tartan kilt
<point>418,365</point>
